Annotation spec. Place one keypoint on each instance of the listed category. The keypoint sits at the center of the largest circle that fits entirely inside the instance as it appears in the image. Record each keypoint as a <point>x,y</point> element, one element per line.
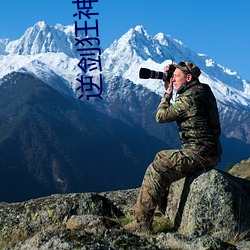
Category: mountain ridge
<point>42,38</point>
<point>56,144</point>
<point>167,50</point>
<point>125,56</point>
<point>121,126</point>
<point>123,59</point>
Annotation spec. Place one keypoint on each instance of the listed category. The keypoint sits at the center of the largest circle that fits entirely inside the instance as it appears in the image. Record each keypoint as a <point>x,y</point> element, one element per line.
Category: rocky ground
<point>208,211</point>
<point>241,169</point>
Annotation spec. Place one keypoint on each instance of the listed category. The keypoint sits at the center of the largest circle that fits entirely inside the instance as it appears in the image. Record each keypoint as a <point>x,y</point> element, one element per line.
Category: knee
<point>152,172</point>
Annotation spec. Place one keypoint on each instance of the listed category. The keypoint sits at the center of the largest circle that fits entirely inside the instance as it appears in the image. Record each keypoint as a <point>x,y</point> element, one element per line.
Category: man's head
<point>185,72</point>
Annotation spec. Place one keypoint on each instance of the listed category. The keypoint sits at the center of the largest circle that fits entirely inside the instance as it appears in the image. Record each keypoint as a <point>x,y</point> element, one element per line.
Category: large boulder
<point>19,221</point>
<point>210,202</point>
<point>209,211</point>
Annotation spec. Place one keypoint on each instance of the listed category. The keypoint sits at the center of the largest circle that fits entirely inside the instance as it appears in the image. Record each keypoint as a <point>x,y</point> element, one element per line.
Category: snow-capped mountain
<point>49,53</point>
<point>44,51</point>
<point>137,49</point>
<point>51,140</point>
<point>41,38</point>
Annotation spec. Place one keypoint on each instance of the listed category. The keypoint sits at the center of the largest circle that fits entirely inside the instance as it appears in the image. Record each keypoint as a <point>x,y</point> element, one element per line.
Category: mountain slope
<point>57,144</point>
<point>47,52</point>
<point>51,143</point>
<point>53,50</point>
<point>42,38</point>
<point>133,103</point>
<point>137,49</point>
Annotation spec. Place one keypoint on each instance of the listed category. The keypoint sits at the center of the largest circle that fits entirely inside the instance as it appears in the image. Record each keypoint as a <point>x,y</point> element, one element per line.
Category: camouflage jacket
<point>196,113</point>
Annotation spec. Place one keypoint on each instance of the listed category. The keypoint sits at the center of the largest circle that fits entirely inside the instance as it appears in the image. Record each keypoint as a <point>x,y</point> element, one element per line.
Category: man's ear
<point>189,77</point>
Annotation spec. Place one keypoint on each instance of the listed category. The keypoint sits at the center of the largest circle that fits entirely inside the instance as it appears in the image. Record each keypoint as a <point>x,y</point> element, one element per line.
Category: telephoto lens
<point>145,73</point>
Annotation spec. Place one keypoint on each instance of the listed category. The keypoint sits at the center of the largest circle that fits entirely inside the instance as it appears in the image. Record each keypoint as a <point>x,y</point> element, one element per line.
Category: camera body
<point>146,73</point>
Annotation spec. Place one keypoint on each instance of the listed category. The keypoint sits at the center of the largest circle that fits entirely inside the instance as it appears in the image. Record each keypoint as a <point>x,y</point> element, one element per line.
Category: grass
<point>239,237</point>
<point>160,223</point>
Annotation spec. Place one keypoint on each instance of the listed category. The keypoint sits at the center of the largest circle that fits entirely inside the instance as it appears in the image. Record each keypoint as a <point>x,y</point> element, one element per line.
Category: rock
<point>178,241</point>
<point>209,211</point>
<point>90,221</point>
<point>243,245</point>
<point>21,220</point>
<point>63,239</point>
<point>241,169</point>
<point>212,202</point>
<point>124,199</point>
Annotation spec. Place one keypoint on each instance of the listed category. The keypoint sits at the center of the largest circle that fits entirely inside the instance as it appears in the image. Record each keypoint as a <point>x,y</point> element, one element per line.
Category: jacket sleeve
<point>182,108</point>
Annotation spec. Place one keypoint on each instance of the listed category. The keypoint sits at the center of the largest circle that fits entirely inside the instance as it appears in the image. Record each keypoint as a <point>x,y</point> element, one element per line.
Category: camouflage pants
<point>167,167</point>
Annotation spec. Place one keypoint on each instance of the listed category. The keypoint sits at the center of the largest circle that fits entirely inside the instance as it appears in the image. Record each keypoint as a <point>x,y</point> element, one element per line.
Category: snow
<point>43,66</point>
<point>228,87</point>
<point>209,63</point>
<point>47,51</point>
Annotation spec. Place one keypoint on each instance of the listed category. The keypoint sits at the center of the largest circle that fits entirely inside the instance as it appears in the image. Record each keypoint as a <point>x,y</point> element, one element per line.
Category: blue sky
<point>218,28</point>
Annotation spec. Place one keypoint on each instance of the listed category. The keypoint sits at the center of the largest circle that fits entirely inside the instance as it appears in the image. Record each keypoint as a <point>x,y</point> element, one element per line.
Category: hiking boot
<point>140,227</point>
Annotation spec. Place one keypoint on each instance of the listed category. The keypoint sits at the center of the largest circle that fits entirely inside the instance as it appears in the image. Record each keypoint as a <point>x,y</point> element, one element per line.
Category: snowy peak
<point>166,40</point>
<point>51,50</point>
<point>135,41</point>
<point>137,49</point>
<point>132,49</point>
<point>47,52</point>
<point>42,38</point>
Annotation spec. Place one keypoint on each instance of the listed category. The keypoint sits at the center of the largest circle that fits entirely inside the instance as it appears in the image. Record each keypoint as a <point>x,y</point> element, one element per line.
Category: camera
<point>146,73</point>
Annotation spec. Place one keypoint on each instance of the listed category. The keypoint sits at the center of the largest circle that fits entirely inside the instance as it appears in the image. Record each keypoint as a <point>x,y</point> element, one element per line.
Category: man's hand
<point>168,85</point>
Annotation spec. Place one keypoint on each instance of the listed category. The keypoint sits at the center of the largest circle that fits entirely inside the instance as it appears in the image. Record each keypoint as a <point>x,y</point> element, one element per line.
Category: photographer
<point>195,111</point>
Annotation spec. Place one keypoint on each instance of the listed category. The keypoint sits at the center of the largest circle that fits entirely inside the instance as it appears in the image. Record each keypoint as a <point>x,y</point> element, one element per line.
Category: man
<point>195,111</point>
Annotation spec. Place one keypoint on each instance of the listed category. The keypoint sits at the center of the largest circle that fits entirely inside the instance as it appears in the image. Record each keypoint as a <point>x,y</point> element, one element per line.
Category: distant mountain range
<point>51,142</point>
